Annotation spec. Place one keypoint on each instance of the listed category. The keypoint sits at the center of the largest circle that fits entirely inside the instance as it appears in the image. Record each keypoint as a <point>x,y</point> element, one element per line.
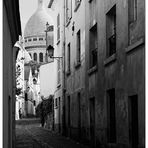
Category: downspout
<point>64,83</point>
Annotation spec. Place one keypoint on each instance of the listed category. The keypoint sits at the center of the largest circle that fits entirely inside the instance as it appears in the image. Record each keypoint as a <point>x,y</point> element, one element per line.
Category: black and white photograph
<point>74,74</point>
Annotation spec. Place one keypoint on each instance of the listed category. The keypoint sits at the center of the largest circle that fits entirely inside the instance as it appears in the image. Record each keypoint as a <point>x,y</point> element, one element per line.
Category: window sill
<point>92,70</point>
<point>68,73</point>
<point>59,85</point>
<point>68,22</point>
<point>78,64</point>
<point>77,6</point>
<point>134,45</point>
<point>110,59</point>
<point>58,41</point>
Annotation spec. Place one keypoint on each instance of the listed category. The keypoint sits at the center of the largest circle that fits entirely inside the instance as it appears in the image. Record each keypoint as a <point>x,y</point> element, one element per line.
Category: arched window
<point>30,55</point>
<point>35,56</point>
<point>41,57</point>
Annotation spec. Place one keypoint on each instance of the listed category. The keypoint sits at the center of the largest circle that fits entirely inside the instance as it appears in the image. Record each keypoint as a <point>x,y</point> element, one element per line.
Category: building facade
<point>57,7</point>
<point>115,90</point>
<point>11,32</point>
<point>104,77</point>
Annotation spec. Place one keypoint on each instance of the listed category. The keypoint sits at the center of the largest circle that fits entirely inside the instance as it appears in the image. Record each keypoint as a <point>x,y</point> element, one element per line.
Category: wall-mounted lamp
<point>73,28</point>
<point>50,52</point>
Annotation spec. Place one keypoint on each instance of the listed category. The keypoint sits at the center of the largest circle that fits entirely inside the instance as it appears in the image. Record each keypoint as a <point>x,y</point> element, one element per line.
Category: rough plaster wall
<point>7,83</point>
<point>76,81</point>
<point>122,74</point>
<point>137,28</point>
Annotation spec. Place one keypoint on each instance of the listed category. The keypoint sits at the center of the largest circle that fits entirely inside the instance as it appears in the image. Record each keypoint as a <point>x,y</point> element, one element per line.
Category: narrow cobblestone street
<point>34,136</point>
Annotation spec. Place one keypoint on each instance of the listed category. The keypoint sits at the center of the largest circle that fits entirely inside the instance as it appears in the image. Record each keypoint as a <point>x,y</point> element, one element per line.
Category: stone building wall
<point>105,99</point>
<point>117,73</point>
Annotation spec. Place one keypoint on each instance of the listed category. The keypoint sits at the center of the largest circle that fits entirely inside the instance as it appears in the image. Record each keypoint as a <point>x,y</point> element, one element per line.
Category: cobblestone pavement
<point>34,136</point>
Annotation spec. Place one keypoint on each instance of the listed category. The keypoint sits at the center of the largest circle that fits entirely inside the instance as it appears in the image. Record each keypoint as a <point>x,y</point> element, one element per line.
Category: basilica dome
<point>36,39</point>
<point>36,25</point>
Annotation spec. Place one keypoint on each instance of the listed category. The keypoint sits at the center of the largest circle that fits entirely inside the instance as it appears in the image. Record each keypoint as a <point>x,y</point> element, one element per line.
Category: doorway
<point>79,115</point>
<point>111,116</point>
<point>92,121</point>
<point>59,115</point>
<point>133,120</point>
<point>68,115</point>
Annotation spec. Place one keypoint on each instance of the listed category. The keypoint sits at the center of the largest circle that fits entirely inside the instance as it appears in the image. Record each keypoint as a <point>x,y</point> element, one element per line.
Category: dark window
<point>34,81</point>
<point>41,57</point>
<point>90,1</point>
<point>111,31</point>
<point>58,27</point>
<point>132,9</point>
<point>26,97</point>
<point>68,58</point>
<point>34,102</point>
<point>58,68</point>
<point>40,39</point>
<point>30,55</point>
<point>68,10</point>
<point>133,120</point>
<point>92,120</point>
<point>34,39</point>
<point>79,46</point>
<point>111,116</point>
<point>77,3</point>
<point>59,114</point>
<point>68,110</point>
<point>35,56</point>
<point>25,40</point>
<point>79,114</point>
<point>56,102</point>
<point>29,40</point>
<point>93,43</point>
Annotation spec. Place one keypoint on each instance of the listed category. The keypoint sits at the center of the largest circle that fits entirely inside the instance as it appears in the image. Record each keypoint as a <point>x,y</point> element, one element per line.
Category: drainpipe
<point>64,83</point>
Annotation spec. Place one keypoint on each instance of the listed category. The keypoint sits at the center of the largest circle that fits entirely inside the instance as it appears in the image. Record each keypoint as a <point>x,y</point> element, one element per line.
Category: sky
<point>27,8</point>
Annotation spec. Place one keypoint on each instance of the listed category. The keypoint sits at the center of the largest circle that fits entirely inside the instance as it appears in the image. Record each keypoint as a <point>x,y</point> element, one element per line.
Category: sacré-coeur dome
<point>36,25</point>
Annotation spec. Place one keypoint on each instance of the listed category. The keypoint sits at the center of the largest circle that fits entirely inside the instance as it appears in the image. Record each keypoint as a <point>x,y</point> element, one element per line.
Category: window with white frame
<point>58,27</point>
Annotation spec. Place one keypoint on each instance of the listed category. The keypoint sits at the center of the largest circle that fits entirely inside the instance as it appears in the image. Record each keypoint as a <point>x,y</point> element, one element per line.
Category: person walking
<point>42,115</point>
<point>20,113</point>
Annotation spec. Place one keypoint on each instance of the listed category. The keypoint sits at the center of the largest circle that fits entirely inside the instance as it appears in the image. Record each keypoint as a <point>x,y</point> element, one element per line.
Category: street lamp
<point>50,52</point>
<point>49,48</point>
<point>47,26</point>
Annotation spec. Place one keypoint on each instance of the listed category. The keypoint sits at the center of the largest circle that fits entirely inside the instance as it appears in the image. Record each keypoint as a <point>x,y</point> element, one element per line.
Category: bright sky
<point>27,8</point>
